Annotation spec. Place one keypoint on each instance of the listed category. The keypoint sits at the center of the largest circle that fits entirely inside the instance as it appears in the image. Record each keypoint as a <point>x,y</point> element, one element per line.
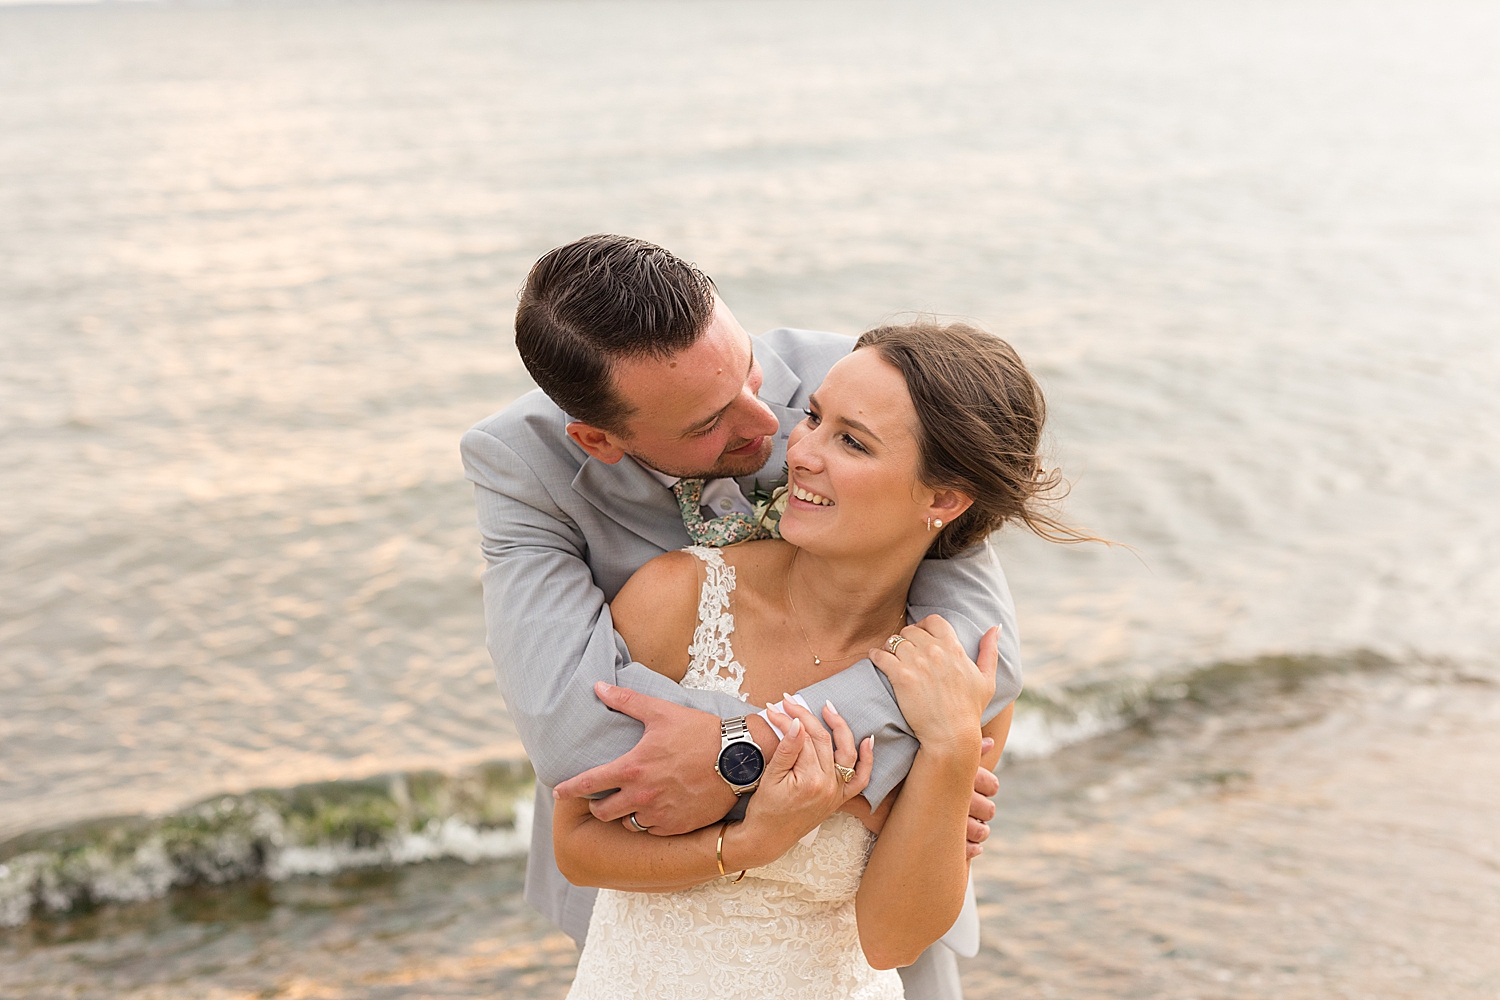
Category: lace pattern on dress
<point>787,932</point>
<point>712,666</point>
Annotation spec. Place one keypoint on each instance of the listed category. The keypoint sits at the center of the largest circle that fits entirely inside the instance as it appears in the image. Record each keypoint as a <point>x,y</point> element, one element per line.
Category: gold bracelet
<point>719,852</point>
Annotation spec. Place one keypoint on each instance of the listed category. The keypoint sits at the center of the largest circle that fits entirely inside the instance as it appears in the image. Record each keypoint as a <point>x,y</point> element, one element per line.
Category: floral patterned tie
<point>719,532</point>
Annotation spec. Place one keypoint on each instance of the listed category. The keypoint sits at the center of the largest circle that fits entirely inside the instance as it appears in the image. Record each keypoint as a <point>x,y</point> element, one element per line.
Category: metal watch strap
<point>732,731</point>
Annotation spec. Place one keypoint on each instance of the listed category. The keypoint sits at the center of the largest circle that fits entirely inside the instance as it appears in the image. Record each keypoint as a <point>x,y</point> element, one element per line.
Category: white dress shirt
<point>721,496</point>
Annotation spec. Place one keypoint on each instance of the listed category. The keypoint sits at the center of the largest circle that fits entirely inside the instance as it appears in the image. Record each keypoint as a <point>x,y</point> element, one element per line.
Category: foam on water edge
<point>1050,720</point>
<point>485,813</point>
<point>474,815</point>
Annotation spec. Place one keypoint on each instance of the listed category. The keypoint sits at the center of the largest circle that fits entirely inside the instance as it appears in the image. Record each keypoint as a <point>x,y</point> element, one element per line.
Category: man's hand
<point>668,779</point>
<point>981,807</point>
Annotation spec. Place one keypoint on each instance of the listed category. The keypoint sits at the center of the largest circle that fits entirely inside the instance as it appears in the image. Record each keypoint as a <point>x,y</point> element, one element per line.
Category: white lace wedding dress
<point>786,931</point>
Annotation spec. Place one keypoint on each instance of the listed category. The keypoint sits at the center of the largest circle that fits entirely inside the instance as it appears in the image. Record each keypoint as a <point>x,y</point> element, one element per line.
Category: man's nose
<point>758,420</point>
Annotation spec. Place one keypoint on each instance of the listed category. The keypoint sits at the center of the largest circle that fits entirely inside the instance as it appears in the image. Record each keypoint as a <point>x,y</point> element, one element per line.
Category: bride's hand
<point>801,788</point>
<point>941,692</point>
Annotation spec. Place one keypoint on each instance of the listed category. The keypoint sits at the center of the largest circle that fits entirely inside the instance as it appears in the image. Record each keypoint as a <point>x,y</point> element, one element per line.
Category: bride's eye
<point>812,418</point>
<point>851,442</point>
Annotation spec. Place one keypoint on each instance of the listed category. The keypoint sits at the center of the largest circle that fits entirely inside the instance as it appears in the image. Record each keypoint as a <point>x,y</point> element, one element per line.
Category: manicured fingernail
<point>556,797</point>
<point>829,705</point>
<point>786,699</point>
<point>987,744</point>
<point>794,728</point>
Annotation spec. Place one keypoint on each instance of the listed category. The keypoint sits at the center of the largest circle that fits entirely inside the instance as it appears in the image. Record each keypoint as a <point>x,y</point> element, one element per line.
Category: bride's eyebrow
<point>861,427</point>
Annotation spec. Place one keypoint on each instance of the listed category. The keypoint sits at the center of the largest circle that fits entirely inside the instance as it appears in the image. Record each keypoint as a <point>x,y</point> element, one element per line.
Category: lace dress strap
<point>712,666</point>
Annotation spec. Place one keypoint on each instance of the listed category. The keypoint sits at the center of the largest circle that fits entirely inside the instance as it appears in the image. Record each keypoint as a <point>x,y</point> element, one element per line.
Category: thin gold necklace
<point>817,660</point>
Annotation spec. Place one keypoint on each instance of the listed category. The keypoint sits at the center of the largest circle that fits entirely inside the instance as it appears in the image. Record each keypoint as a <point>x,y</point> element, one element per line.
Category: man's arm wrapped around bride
<point>914,882</point>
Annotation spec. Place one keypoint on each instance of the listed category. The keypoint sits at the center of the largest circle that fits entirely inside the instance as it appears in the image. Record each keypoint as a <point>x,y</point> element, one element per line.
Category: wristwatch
<point>740,761</point>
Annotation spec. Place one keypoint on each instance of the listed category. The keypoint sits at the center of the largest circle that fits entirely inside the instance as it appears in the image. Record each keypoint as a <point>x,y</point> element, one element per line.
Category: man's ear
<point>598,443</point>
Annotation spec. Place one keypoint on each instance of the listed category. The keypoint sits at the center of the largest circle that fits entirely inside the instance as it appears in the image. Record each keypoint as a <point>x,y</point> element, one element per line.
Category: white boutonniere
<point>770,503</point>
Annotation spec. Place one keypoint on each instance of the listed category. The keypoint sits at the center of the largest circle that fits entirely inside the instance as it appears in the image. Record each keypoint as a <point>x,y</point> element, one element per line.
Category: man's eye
<point>705,432</point>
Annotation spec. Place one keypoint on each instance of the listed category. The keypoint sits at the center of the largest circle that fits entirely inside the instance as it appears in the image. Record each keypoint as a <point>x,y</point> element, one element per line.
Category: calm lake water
<point>258,264</point>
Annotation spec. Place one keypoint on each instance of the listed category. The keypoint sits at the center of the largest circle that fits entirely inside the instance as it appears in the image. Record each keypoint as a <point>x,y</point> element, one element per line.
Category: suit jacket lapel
<point>778,386</point>
<point>628,495</point>
<point>778,382</point>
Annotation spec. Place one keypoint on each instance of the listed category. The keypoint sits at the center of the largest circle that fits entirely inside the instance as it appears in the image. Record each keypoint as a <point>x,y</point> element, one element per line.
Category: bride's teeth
<point>810,497</point>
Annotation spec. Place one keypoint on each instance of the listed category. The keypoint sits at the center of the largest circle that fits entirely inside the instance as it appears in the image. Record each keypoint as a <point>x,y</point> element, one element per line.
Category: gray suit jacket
<point>561,534</point>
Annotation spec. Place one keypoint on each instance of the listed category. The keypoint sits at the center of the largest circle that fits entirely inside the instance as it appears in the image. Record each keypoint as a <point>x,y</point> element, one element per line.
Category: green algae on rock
<point>479,813</point>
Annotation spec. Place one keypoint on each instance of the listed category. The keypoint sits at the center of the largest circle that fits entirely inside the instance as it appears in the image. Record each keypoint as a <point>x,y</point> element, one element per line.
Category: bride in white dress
<point>921,443</point>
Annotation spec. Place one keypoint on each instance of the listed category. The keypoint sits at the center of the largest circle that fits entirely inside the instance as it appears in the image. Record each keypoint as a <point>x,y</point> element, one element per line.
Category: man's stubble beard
<point>722,469</point>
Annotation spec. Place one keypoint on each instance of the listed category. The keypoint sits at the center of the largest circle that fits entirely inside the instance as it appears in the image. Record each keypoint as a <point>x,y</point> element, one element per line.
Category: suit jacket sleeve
<point>969,591</point>
<point>548,626</point>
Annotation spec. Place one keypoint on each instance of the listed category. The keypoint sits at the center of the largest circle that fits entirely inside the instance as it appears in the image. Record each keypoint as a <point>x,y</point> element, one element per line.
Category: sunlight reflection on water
<point>260,262</point>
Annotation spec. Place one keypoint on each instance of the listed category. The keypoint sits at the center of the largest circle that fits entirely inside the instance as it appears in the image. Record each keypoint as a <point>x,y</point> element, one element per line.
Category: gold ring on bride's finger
<point>845,773</point>
<point>893,642</point>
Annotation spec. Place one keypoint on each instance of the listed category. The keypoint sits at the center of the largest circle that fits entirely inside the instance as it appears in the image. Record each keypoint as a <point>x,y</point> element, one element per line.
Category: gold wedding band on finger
<point>846,774</point>
<point>636,824</point>
<point>893,642</point>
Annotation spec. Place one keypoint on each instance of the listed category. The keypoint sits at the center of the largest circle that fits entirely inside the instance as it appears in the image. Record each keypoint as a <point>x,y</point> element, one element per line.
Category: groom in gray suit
<point>581,483</point>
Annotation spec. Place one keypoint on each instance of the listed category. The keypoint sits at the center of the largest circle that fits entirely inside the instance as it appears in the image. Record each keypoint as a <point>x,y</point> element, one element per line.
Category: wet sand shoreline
<point>1288,837</point>
<point>1337,840</point>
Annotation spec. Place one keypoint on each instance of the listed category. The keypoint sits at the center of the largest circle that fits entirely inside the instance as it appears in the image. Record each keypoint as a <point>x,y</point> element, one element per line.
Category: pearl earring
<point>931,522</point>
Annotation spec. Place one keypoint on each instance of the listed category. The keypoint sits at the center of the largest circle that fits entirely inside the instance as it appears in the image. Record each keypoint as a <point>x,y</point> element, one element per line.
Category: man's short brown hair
<point>596,301</point>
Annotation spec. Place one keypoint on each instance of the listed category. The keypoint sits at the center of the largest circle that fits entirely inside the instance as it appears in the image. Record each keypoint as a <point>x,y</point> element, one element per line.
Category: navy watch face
<point>741,763</point>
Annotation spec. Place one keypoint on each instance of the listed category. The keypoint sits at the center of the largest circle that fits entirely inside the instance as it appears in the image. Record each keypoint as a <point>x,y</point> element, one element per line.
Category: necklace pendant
<point>817,662</point>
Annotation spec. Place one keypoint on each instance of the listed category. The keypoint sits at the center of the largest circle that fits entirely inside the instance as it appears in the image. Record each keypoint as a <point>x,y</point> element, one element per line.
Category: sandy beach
<point>1310,832</point>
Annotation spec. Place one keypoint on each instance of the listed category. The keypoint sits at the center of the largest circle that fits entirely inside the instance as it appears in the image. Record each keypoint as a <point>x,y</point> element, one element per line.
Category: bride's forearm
<point>607,856</point>
<point>914,884</point>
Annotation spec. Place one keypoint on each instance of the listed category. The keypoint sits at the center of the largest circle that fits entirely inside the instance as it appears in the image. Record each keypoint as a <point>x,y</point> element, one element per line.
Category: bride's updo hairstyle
<point>981,415</point>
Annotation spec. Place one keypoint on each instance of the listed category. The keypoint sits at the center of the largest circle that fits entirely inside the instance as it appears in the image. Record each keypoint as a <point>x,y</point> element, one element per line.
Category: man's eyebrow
<point>812,398</point>
<point>715,416</point>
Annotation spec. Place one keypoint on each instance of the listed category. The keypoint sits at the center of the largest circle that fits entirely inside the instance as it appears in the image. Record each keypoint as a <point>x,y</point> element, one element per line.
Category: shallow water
<point>1290,829</point>
<point>443,930</point>
<point>258,263</point>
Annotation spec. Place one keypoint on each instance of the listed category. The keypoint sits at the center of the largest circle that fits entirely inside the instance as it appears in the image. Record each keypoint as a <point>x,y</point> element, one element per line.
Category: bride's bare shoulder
<point>657,610</point>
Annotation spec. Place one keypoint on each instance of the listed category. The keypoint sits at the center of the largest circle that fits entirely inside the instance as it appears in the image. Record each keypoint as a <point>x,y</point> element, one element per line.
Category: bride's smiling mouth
<point>810,498</point>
